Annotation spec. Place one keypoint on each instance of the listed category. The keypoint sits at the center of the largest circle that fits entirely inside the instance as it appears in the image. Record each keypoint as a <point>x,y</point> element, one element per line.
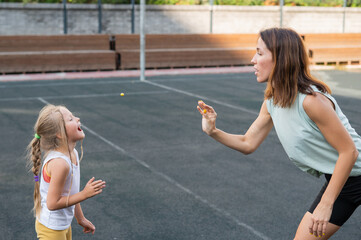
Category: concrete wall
<point>47,19</point>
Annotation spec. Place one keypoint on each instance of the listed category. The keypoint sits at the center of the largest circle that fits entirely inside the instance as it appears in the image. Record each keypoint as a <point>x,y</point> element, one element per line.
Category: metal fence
<point>211,3</point>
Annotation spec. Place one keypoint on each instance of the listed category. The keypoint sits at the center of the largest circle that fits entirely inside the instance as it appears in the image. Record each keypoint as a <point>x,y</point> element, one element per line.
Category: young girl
<point>57,197</point>
<point>314,132</point>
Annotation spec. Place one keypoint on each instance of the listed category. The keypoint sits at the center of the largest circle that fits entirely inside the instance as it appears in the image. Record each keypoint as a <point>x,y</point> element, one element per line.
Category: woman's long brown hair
<point>290,73</point>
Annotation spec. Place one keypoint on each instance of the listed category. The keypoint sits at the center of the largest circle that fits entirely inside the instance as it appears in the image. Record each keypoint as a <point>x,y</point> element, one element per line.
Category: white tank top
<point>59,219</point>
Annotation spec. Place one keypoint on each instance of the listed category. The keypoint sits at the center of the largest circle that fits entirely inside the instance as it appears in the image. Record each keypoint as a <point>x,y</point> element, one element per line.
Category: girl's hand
<point>87,225</point>
<point>208,117</point>
<point>93,188</point>
<point>320,218</point>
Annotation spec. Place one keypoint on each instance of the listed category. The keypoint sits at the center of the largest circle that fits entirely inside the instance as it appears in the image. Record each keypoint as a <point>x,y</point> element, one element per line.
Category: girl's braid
<point>36,159</point>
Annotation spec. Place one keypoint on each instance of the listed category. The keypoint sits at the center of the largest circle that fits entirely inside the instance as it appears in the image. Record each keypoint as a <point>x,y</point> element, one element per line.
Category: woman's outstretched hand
<point>208,117</point>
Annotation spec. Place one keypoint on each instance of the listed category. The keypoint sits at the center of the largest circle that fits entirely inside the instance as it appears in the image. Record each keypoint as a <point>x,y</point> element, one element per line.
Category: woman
<point>311,127</point>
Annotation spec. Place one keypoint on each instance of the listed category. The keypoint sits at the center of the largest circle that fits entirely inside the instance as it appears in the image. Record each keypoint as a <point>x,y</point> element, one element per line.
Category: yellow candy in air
<point>122,94</point>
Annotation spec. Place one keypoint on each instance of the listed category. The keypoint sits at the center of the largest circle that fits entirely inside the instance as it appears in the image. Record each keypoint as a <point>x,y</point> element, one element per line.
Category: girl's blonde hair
<point>50,127</point>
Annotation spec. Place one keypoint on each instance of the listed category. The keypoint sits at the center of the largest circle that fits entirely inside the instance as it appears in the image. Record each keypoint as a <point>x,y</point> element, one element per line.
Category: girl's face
<point>72,126</point>
<point>263,62</point>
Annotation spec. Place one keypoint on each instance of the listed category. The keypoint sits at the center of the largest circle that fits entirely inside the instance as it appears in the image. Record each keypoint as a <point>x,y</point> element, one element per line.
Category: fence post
<point>142,41</point>
<point>344,15</point>
<point>132,16</point>
<point>211,17</point>
<point>65,18</point>
<point>281,12</point>
<point>99,16</point>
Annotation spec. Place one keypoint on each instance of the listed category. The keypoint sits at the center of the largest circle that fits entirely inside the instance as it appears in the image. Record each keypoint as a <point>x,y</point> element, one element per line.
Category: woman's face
<point>263,62</point>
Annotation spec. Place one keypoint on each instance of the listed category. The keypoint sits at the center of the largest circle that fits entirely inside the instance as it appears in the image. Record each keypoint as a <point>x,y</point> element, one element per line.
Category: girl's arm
<point>82,221</point>
<point>247,143</point>
<point>320,109</point>
<point>58,170</point>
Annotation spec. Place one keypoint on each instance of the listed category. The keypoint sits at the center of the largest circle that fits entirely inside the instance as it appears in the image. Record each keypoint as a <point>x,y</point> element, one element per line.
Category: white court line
<point>122,73</point>
<point>82,96</point>
<point>174,182</point>
<point>96,82</point>
<point>68,83</point>
<point>199,97</point>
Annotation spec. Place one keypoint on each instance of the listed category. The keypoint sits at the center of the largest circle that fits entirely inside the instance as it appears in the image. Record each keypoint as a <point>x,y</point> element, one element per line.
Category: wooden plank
<point>56,53</point>
<point>57,61</point>
<point>336,55</point>
<point>54,43</point>
<point>186,58</point>
<point>184,41</point>
<point>127,42</point>
<point>335,40</point>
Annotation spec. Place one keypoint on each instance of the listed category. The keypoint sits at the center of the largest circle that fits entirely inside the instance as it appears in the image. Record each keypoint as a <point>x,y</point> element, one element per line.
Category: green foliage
<point>73,1</point>
<point>323,3</point>
<point>176,2</point>
<point>239,2</point>
<point>320,3</point>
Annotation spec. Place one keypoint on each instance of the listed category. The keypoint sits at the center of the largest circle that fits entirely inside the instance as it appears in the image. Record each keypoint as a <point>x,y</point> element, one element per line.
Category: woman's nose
<point>254,59</point>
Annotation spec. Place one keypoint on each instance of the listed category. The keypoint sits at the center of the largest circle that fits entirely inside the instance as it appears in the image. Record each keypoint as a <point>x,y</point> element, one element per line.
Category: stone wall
<point>47,19</point>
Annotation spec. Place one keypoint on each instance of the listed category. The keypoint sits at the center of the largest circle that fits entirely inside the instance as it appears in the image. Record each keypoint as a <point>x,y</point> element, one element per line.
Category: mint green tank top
<point>303,141</point>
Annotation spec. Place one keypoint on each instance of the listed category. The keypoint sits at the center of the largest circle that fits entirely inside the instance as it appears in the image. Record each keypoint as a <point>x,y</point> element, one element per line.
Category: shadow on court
<point>166,180</point>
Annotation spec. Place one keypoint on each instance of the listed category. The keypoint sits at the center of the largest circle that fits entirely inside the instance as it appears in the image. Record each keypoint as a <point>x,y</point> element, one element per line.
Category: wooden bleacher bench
<point>334,48</point>
<point>321,40</point>
<point>336,56</point>
<point>20,54</point>
<point>186,50</point>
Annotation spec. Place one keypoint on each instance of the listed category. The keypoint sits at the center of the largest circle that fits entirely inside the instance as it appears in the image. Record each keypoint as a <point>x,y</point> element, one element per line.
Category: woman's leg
<point>343,207</point>
<point>303,232</point>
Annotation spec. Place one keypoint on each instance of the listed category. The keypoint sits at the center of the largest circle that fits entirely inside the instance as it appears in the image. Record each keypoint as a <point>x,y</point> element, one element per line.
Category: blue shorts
<point>346,203</point>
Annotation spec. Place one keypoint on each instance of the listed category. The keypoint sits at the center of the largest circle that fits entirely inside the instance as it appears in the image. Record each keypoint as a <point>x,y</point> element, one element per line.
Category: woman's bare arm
<point>321,111</point>
<point>246,143</point>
